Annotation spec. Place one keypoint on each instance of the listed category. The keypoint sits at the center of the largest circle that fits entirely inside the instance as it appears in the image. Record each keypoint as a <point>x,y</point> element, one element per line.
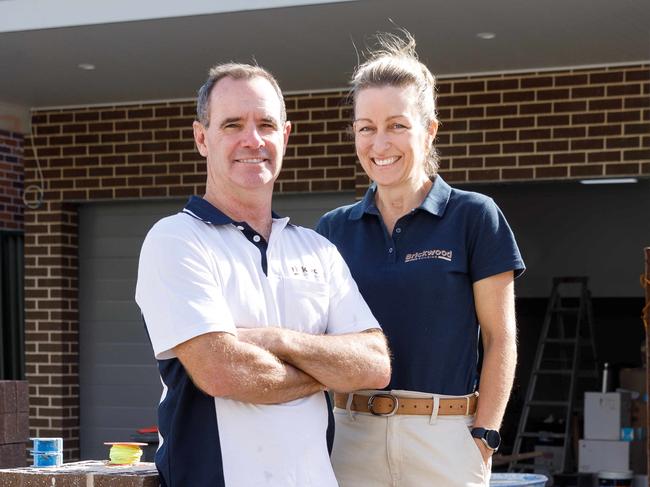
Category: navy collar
<point>206,212</point>
<point>435,202</point>
<point>203,210</point>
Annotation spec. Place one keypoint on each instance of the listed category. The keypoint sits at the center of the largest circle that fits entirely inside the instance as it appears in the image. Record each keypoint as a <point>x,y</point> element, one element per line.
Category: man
<point>251,318</point>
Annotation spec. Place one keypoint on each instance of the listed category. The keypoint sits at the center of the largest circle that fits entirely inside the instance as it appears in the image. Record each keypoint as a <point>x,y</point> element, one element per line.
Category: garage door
<point>119,382</point>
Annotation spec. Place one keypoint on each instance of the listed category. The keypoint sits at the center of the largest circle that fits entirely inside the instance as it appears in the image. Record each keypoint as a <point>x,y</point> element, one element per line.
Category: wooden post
<point>646,321</point>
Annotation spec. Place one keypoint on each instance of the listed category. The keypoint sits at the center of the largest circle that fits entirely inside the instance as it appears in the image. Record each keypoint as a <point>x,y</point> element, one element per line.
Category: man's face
<point>246,139</point>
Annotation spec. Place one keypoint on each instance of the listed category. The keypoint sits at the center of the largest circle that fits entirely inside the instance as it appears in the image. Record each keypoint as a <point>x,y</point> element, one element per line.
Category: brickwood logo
<point>429,254</point>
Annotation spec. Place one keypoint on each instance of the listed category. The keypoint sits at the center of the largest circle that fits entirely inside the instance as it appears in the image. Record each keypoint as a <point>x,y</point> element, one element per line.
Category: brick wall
<point>514,127</point>
<point>11,180</point>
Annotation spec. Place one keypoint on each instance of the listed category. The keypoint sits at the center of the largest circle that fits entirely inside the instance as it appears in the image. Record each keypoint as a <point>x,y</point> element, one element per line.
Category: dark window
<point>12,328</point>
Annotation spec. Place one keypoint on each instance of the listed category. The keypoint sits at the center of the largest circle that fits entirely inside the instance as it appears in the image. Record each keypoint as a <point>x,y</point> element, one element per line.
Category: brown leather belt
<point>387,404</point>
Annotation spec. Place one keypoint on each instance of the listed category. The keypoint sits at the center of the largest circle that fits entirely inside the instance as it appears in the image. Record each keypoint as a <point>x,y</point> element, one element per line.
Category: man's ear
<point>286,132</point>
<point>199,138</point>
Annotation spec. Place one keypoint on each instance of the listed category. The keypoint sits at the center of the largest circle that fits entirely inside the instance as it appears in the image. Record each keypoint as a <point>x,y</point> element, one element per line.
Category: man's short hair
<point>237,71</point>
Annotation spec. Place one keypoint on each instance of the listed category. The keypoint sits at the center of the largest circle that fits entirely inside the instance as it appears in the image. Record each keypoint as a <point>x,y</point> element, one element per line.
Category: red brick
<point>518,173</point>
<point>587,170</point>
<point>604,156</point>
<point>537,82</point>
<point>483,174</point>
<point>574,79</point>
<point>621,169</point>
<point>607,77</point>
<point>552,172</point>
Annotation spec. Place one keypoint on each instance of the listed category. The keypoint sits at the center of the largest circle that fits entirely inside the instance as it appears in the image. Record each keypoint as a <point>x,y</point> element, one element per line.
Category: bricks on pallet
<point>22,396</point>
<point>22,427</point>
<point>9,428</point>
<point>82,474</point>
<point>13,455</point>
<point>7,396</point>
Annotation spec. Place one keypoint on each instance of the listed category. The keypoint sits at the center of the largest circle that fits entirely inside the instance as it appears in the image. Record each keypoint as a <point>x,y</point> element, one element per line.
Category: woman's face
<point>391,141</point>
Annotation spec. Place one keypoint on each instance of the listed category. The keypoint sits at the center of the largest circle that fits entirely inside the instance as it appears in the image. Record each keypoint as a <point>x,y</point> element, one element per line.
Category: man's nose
<point>252,138</point>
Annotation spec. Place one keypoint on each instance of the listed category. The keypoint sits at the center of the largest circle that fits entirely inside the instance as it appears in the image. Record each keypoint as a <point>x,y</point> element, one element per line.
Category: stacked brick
<point>11,180</point>
<point>559,125</point>
<point>82,474</point>
<point>14,423</point>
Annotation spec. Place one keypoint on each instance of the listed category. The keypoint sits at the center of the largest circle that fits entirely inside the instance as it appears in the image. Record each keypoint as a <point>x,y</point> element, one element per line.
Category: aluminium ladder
<point>566,354</point>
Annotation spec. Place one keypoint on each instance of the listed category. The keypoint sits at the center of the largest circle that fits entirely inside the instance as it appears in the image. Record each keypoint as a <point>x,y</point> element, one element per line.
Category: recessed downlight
<point>610,181</point>
<point>86,66</point>
<point>486,36</point>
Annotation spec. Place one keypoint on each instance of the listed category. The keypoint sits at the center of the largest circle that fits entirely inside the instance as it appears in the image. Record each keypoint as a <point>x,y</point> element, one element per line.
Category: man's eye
<point>231,126</point>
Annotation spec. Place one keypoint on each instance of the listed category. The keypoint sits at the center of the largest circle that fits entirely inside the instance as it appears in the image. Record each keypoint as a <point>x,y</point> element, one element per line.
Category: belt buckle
<point>371,402</point>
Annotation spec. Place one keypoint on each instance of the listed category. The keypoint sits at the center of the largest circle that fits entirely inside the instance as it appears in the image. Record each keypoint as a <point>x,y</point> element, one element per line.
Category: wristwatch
<point>490,438</point>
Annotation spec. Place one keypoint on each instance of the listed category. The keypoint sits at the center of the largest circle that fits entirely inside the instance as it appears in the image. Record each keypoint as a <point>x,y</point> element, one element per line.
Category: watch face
<point>493,439</point>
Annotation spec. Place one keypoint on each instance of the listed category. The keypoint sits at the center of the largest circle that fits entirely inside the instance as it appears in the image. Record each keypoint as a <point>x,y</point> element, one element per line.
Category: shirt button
<point>239,227</point>
<point>398,230</point>
<point>390,251</point>
<point>256,238</point>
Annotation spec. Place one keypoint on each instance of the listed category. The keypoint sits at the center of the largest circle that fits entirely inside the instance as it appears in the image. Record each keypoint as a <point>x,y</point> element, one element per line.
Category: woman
<point>433,263</point>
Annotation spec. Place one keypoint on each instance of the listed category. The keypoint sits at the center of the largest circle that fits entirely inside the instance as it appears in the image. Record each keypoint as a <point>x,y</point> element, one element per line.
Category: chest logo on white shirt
<point>303,270</point>
<point>429,254</point>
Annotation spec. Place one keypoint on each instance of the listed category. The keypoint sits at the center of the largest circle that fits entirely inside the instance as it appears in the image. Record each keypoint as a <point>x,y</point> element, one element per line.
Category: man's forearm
<point>223,366</point>
<point>343,363</point>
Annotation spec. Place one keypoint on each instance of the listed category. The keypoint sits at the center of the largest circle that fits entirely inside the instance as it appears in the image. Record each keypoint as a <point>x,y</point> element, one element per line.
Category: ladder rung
<point>566,309</point>
<point>548,403</point>
<point>553,371</point>
<point>542,434</point>
<point>561,340</point>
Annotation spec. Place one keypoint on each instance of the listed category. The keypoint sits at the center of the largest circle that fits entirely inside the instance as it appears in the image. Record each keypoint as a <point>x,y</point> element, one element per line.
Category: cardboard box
<point>605,415</point>
<point>633,380</point>
<point>551,460</point>
<point>614,456</point>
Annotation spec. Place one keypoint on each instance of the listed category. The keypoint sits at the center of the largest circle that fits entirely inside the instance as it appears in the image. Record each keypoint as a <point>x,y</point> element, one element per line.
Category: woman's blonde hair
<point>394,62</point>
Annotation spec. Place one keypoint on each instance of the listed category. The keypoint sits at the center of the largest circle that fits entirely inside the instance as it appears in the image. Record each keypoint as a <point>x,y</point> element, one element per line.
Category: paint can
<point>615,479</point>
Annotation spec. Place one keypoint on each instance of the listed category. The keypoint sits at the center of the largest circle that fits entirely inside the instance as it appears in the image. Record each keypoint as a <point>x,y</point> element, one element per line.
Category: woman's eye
<point>364,129</point>
<point>398,126</point>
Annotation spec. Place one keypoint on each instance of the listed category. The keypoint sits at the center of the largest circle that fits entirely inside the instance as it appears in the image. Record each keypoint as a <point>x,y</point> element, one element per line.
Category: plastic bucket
<point>616,479</point>
<point>517,480</point>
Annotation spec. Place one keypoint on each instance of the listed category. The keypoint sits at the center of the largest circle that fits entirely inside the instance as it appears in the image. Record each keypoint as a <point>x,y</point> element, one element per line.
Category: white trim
<point>328,90</point>
<point>546,70</point>
<point>25,15</point>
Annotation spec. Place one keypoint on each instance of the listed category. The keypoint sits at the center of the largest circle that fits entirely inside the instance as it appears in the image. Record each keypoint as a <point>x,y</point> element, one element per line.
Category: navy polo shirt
<point>418,281</point>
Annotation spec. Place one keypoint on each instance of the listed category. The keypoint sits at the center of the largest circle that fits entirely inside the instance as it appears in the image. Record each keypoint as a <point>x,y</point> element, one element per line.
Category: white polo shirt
<point>201,272</point>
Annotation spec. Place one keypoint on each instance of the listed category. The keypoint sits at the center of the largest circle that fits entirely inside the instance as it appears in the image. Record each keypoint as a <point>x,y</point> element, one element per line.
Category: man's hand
<point>486,453</point>
<point>343,363</point>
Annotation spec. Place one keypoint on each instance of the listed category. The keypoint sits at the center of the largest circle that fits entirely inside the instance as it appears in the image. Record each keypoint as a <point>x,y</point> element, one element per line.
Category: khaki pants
<point>406,450</point>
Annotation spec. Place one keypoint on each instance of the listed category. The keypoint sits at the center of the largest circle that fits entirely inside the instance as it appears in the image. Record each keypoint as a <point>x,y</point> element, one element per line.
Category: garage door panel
<point>129,415</point>
<point>113,247</point>
<point>114,268</point>
<point>116,310</point>
<point>106,330</point>
<point>120,387</point>
<point>136,354</point>
<point>127,375</point>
